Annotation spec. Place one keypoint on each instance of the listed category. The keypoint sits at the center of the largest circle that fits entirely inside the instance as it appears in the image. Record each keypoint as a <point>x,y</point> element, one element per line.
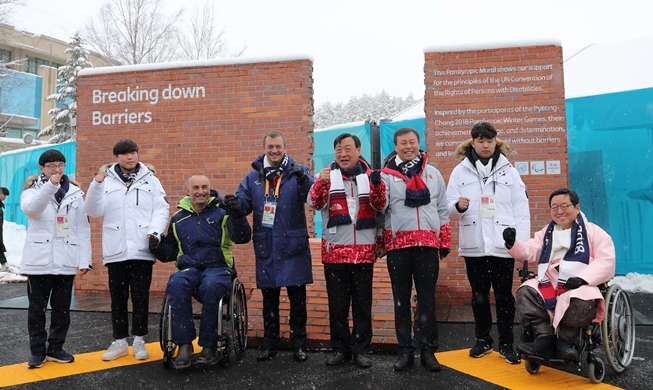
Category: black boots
<point>405,361</point>
<point>543,346</point>
<point>567,351</point>
<point>183,356</point>
<point>430,362</point>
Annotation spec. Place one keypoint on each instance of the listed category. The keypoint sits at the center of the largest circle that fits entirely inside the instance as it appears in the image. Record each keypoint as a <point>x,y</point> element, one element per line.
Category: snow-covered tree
<point>365,108</point>
<point>61,129</point>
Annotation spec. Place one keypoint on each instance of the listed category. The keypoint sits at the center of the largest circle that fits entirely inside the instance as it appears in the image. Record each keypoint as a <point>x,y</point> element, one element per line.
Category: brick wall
<point>521,91</point>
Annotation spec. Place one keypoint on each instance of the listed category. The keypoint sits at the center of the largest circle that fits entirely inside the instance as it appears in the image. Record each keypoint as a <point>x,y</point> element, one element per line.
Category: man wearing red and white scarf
<point>573,257</point>
<point>349,248</point>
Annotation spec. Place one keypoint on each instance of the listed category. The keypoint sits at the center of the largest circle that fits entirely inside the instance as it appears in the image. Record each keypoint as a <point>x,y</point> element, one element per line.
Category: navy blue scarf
<point>127,178</point>
<point>579,252</point>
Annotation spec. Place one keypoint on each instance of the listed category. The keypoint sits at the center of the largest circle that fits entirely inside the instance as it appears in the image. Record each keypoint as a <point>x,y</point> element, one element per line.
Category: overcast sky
<point>364,46</point>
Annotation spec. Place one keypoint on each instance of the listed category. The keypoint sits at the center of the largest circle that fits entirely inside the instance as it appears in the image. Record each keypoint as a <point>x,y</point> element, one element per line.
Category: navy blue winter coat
<point>204,240</point>
<point>283,255</point>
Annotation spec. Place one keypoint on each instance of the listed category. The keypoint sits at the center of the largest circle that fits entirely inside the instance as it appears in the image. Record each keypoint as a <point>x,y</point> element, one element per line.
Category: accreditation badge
<point>488,208</point>
<point>269,210</point>
<point>352,204</point>
<point>63,225</point>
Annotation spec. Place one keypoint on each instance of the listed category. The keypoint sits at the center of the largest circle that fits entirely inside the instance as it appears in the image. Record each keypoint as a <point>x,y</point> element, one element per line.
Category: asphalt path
<point>91,331</point>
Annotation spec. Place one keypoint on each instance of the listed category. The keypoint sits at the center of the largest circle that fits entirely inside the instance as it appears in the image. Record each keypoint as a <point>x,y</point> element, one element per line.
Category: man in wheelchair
<point>200,238</point>
<point>573,257</point>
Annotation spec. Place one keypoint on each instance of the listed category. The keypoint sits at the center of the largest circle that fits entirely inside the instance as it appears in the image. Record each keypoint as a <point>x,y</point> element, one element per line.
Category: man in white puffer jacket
<point>58,244</point>
<point>134,206</point>
<point>487,195</point>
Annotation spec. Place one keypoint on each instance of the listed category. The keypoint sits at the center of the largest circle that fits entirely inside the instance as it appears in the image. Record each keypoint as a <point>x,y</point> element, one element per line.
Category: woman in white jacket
<point>58,244</point>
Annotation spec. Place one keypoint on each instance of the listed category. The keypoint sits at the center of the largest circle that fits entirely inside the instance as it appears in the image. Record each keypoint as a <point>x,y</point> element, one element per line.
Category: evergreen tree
<point>66,99</point>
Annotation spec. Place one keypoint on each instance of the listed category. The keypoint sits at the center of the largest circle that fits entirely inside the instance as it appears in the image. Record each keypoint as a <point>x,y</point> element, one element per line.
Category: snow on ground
<point>14,238</point>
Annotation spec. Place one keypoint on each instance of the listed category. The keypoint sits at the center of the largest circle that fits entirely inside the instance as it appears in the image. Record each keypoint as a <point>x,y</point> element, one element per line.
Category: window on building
<point>5,55</point>
<point>33,64</point>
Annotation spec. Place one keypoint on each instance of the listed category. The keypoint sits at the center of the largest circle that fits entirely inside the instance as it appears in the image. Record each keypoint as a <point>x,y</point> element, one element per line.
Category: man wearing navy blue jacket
<point>200,239</point>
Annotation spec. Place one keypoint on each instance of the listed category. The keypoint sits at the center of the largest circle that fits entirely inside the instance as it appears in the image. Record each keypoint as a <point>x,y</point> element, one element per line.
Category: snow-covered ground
<point>14,239</point>
<point>14,236</point>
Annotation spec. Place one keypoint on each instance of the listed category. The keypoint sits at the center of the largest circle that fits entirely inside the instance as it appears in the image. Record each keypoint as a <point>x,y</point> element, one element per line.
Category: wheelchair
<point>615,334</point>
<point>231,331</point>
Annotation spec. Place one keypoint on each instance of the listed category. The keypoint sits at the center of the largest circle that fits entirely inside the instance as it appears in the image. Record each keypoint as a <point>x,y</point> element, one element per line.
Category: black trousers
<point>496,272</point>
<point>532,315</point>
<point>350,283</point>
<point>126,276</point>
<point>57,289</point>
<point>421,265</point>
<point>297,297</point>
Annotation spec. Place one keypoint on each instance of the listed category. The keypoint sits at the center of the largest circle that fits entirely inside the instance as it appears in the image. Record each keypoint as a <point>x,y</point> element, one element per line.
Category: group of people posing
<point>401,211</point>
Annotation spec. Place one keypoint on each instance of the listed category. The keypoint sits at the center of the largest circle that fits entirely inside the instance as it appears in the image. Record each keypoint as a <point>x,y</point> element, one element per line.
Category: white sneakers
<point>140,352</point>
<point>116,349</point>
<point>120,348</point>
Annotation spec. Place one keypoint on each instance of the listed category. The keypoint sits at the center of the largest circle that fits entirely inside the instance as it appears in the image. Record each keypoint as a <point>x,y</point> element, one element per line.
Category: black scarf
<point>417,193</point>
<point>272,173</point>
<point>127,178</point>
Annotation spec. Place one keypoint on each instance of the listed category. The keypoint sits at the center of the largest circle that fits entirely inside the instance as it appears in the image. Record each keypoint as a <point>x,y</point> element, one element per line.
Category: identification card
<point>352,204</point>
<point>269,209</point>
<point>63,225</point>
<point>488,208</point>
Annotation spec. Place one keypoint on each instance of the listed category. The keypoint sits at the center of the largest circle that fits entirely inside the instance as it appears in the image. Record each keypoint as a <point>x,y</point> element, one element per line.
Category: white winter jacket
<point>129,214</point>
<point>45,253</point>
<point>484,236</point>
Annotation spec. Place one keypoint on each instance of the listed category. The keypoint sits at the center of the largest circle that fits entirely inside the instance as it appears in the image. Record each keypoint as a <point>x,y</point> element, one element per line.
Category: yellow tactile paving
<point>491,368</point>
<point>18,374</point>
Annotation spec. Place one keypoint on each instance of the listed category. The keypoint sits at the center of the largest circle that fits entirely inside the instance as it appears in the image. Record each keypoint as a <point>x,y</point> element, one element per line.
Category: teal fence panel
<point>16,166</point>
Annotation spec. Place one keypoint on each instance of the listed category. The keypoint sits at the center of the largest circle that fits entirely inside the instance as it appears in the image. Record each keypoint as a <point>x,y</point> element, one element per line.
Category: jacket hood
<point>462,149</point>
<point>104,168</point>
<point>33,178</point>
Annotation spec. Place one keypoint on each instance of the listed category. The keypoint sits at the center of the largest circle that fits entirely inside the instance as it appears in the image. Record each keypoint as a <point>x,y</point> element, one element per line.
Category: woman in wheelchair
<point>200,239</point>
<point>573,257</point>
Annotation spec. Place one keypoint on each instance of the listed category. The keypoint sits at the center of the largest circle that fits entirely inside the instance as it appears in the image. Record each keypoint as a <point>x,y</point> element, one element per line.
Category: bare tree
<point>129,32</point>
<point>7,7</point>
<point>203,39</point>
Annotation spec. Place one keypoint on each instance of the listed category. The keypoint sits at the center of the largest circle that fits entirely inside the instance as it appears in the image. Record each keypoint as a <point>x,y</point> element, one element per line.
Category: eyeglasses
<point>52,167</point>
<point>562,207</point>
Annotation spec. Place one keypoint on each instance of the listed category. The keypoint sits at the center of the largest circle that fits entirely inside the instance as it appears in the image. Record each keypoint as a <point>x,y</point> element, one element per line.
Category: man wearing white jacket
<point>58,244</point>
<point>134,206</point>
<point>486,194</point>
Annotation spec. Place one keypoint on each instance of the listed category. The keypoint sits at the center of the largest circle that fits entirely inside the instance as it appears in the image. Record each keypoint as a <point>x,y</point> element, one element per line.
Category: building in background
<point>27,82</point>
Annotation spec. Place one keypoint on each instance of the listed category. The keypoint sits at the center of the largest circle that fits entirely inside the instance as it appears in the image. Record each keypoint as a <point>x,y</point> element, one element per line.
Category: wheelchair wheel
<point>618,329</point>
<point>239,324</point>
<point>532,366</point>
<point>596,370</point>
<point>165,334</point>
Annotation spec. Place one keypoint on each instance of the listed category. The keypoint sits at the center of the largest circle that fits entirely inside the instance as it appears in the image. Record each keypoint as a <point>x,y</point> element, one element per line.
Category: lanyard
<point>276,191</point>
<point>494,182</point>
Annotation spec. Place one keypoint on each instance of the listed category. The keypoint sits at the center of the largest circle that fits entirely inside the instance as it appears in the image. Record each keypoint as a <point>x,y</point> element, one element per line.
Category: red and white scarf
<point>338,209</point>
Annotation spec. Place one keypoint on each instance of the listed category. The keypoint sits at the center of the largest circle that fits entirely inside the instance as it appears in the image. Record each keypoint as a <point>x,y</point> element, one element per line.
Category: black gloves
<point>157,247</point>
<point>574,283</point>
<point>375,177</point>
<point>444,252</point>
<point>298,172</point>
<point>233,207</point>
<point>509,235</point>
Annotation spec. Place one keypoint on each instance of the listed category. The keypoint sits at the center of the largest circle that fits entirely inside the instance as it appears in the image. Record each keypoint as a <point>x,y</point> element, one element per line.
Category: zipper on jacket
<point>353,196</point>
<point>137,197</point>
